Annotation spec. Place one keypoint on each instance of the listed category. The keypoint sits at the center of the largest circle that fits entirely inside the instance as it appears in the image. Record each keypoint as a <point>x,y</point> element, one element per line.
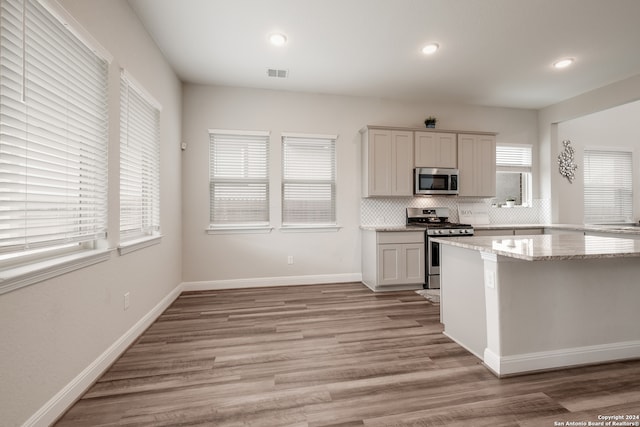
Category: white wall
<point>213,259</point>
<point>53,330</point>
<point>617,128</point>
<point>565,207</point>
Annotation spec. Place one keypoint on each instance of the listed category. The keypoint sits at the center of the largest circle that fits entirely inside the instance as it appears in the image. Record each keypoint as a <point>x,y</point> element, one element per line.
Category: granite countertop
<point>391,228</point>
<point>549,246</point>
<point>612,229</point>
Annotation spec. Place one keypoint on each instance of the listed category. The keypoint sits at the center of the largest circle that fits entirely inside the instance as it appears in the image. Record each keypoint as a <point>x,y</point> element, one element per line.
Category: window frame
<point>140,165</point>
<point>317,139</point>
<point>257,147</point>
<point>32,263</point>
<point>590,218</point>
<point>520,166</point>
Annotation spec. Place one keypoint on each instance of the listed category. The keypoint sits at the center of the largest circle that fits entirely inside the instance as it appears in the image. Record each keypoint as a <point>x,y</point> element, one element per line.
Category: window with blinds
<point>238,179</point>
<point>608,189</point>
<point>309,180</point>
<point>513,173</point>
<point>53,133</point>
<point>139,162</point>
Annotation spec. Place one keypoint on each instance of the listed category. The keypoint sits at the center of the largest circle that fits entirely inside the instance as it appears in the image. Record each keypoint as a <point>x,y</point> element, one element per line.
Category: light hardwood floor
<point>330,355</point>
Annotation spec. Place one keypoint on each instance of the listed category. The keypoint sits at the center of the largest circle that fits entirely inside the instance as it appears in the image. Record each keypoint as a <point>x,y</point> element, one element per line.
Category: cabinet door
<point>486,165</point>
<point>436,149</point>
<point>477,165</point>
<point>414,263</point>
<point>379,163</point>
<point>389,264</point>
<point>400,264</point>
<point>402,163</point>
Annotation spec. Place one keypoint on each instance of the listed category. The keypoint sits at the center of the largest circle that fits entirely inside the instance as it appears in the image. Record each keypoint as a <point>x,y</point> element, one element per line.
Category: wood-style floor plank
<point>330,355</point>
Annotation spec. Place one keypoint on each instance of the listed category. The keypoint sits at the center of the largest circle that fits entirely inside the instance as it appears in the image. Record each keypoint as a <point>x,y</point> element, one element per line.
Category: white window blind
<point>309,181</point>
<point>53,132</point>
<point>239,178</point>
<point>513,157</point>
<point>608,195</point>
<point>139,162</point>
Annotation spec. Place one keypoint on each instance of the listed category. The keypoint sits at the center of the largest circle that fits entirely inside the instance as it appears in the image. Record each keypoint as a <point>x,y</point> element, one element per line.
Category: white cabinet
<point>393,260</point>
<point>387,162</point>
<point>477,165</point>
<point>435,150</point>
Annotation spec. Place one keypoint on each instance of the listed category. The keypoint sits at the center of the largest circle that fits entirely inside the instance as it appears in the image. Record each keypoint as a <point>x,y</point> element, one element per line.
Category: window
<point>53,136</point>
<point>139,162</point>
<point>608,196</point>
<point>309,180</point>
<point>513,174</point>
<point>239,179</point>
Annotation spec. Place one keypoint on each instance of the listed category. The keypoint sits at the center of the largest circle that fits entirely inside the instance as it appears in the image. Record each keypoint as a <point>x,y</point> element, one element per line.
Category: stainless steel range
<point>436,224</point>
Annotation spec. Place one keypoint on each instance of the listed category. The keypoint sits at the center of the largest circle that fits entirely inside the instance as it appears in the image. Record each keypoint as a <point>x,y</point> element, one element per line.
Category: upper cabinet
<point>389,155</point>
<point>477,165</point>
<point>387,162</point>
<point>436,150</point>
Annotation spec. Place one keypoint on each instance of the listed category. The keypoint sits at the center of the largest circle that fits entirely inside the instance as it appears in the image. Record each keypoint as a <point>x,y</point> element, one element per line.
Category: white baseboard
<point>263,282</point>
<point>58,404</point>
<point>544,360</point>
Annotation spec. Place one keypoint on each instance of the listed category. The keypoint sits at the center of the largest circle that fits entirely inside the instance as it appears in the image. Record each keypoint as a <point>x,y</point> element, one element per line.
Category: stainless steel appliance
<point>436,224</point>
<point>435,181</point>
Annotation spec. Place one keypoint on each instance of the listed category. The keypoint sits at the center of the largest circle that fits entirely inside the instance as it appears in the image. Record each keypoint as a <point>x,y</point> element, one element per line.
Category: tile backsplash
<point>392,210</point>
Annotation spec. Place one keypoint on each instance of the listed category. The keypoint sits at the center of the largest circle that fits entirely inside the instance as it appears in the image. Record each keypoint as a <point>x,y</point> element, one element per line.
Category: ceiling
<point>492,52</point>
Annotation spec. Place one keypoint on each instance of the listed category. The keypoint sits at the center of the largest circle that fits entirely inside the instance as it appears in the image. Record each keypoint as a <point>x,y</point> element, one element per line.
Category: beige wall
<point>617,128</point>
<point>213,259</point>
<point>566,207</point>
<point>53,330</point>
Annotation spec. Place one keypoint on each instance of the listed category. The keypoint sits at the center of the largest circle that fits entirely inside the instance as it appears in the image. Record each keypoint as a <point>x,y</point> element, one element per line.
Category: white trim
<point>239,230</point>
<point>61,14</point>
<point>61,401</point>
<point>563,358</point>
<point>307,135</point>
<point>240,132</point>
<point>309,228</point>
<point>263,282</point>
<point>25,275</point>
<point>607,148</point>
<point>134,245</point>
<point>140,89</point>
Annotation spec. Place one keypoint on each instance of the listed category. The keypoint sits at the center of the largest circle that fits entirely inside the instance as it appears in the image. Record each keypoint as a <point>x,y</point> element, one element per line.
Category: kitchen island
<point>537,302</point>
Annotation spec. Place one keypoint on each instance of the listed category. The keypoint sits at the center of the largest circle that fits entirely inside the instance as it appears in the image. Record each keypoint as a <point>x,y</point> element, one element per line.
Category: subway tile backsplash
<point>391,210</point>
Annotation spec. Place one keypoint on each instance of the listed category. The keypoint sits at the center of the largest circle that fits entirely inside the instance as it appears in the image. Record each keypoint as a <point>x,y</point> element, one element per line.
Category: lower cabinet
<point>393,260</point>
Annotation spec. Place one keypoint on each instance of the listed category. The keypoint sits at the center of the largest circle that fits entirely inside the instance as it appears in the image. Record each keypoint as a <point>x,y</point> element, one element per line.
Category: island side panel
<point>462,300</point>
<point>563,312</point>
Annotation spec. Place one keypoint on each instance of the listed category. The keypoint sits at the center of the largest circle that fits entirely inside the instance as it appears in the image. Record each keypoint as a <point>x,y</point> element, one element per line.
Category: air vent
<point>282,74</point>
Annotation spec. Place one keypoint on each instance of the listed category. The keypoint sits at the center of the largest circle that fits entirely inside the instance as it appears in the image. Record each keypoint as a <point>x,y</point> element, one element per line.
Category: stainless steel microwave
<point>435,181</point>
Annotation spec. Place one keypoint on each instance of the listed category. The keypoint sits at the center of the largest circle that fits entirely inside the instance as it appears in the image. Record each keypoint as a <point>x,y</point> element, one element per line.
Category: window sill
<point>137,244</point>
<point>239,230</point>
<point>309,228</point>
<point>25,275</point>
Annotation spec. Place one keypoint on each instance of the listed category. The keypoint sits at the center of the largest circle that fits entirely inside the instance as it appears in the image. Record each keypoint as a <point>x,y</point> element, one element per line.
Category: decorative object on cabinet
<point>566,164</point>
<point>430,122</point>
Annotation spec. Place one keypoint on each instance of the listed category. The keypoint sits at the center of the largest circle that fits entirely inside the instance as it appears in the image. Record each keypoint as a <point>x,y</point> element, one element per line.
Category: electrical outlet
<point>290,259</point>
<point>126,301</point>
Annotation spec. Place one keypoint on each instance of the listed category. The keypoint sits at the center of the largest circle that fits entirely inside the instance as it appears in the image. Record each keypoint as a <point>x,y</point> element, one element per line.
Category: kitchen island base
<point>520,316</point>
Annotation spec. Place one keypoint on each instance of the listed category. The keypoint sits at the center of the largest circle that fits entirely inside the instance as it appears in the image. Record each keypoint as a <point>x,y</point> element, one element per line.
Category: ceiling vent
<point>282,74</point>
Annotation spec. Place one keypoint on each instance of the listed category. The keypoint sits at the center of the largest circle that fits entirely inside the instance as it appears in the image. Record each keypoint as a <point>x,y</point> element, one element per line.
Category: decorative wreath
<point>566,164</point>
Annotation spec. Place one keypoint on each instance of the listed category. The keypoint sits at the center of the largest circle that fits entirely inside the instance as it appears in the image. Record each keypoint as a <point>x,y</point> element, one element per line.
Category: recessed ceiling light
<point>430,48</point>
<point>563,63</point>
<point>278,39</point>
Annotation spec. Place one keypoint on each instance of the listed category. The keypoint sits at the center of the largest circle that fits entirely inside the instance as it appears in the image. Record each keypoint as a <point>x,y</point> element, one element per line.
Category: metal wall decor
<point>566,164</point>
